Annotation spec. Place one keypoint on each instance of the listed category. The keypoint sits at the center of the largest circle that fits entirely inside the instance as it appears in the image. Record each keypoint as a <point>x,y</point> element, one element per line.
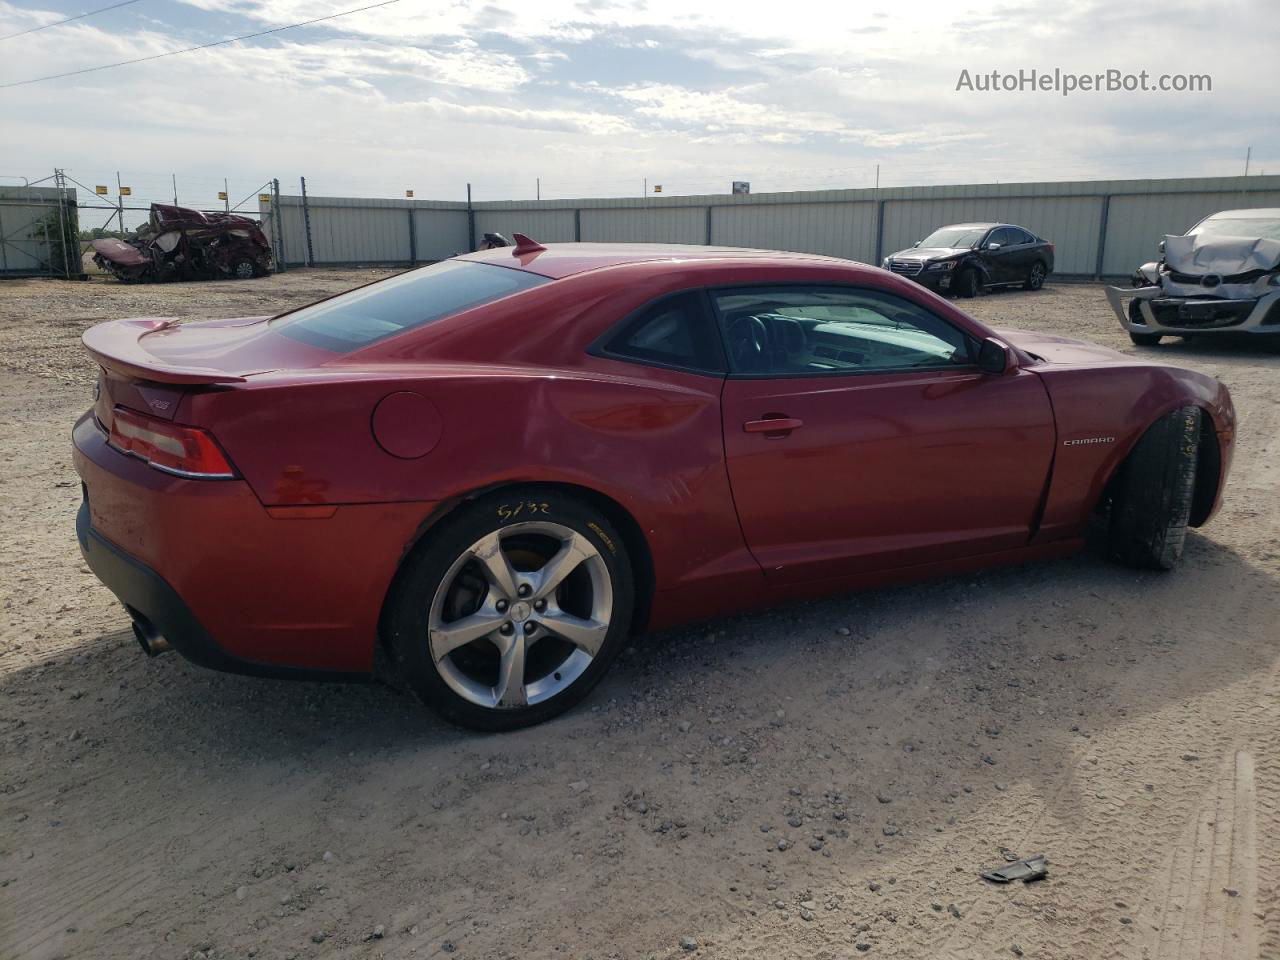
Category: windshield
<point>1240,227</point>
<point>412,299</point>
<point>960,237</point>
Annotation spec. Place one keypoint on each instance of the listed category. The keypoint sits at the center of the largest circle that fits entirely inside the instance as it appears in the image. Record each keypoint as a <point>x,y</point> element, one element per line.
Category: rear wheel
<point>1151,504</point>
<point>512,610</point>
<point>1035,277</point>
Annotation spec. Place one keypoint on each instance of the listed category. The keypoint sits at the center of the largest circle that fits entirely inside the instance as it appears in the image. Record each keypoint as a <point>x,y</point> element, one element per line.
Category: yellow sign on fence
<point>657,188</point>
<point>264,198</point>
<point>222,194</point>
<point>100,191</point>
<point>408,193</point>
<point>126,191</point>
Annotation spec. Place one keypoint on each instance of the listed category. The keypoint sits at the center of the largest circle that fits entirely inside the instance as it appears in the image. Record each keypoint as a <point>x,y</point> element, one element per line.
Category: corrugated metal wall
<point>645,225</point>
<point>24,250</point>
<point>549,226</point>
<point>832,229</point>
<point>441,233</point>
<point>856,224</point>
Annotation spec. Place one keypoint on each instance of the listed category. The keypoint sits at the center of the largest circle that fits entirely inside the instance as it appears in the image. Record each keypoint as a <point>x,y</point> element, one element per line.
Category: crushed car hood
<point>120,252</point>
<point>1222,255</point>
<point>1055,349</point>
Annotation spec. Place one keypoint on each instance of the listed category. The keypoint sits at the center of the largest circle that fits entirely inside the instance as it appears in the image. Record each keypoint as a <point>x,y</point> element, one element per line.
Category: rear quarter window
<point>414,299</point>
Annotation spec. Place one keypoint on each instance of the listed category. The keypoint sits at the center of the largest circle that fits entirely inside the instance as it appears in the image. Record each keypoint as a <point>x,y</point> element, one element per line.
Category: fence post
<point>1102,235</point>
<point>879,257</point>
<point>306,222</point>
<point>471,222</point>
<point>413,239</point>
<point>577,226</point>
<point>707,233</point>
<point>278,218</point>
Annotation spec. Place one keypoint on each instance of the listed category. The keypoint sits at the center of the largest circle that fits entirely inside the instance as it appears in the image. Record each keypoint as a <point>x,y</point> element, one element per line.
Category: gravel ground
<point>819,782</point>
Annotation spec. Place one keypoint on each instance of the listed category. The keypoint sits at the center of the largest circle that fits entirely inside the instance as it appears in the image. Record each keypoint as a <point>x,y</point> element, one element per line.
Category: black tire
<point>406,619</point>
<point>967,284</point>
<point>1035,276</point>
<point>1141,339</point>
<point>1145,339</point>
<point>1151,502</point>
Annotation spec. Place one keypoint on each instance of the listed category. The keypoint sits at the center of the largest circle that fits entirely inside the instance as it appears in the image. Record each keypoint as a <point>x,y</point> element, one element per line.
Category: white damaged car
<point>1222,276</point>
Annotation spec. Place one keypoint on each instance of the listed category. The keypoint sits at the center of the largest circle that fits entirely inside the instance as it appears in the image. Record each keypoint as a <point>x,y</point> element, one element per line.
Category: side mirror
<point>1161,246</point>
<point>993,246</point>
<point>995,358</point>
<point>916,244</point>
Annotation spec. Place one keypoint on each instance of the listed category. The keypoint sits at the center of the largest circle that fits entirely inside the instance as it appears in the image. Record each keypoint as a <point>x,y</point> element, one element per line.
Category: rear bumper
<point>231,584</point>
<point>145,593</point>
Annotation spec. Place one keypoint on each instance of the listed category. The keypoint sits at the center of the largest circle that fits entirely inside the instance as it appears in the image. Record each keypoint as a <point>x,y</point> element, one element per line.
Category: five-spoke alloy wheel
<point>510,611</point>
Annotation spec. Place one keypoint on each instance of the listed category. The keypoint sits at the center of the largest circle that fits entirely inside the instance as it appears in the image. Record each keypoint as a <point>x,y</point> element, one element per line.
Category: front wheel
<point>1151,502</point>
<point>511,610</point>
<point>1141,339</point>
<point>967,283</point>
<point>1035,277</point>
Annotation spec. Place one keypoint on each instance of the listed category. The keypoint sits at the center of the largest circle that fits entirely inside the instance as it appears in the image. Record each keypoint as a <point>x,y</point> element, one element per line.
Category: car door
<point>1024,250</point>
<point>1002,258</point>
<point>860,436</point>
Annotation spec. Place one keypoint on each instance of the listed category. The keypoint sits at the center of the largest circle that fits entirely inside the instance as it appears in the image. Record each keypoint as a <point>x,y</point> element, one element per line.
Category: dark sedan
<point>967,257</point>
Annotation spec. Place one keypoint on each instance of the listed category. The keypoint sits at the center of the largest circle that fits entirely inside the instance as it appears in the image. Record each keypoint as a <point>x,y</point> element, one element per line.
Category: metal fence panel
<point>1137,224</point>
<point>440,234</point>
<point>547,226</point>
<point>29,230</point>
<point>833,229</point>
<point>645,225</point>
<point>836,222</point>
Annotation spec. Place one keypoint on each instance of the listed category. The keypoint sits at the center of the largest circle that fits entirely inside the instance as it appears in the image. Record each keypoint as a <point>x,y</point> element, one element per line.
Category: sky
<point>597,98</point>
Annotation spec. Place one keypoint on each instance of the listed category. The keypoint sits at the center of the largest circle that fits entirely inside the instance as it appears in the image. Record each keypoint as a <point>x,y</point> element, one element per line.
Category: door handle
<point>780,425</point>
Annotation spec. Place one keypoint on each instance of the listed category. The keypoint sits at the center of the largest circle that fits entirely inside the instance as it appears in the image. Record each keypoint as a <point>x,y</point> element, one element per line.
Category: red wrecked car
<point>501,465</point>
<point>182,244</point>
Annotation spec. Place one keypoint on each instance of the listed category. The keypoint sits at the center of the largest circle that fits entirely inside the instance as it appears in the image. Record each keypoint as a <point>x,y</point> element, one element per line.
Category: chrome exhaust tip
<point>149,638</point>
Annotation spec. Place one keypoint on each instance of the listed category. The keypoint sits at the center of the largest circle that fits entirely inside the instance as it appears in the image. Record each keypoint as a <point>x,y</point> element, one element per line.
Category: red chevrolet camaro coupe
<point>499,466</point>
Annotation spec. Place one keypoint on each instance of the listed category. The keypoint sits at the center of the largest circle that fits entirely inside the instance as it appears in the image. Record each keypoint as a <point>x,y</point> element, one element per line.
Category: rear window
<point>412,299</point>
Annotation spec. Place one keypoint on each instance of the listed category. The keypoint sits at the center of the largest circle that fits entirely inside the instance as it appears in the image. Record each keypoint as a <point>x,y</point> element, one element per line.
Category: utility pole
<point>539,188</point>
<point>226,195</point>
<point>646,187</point>
<point>877,176</point>
<point>1248,155</point>
<point>175,188</point>
<point>119,202</point>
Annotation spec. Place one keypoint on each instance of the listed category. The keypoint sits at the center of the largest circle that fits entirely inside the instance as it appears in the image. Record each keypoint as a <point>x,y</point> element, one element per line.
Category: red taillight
<point>171,447</point>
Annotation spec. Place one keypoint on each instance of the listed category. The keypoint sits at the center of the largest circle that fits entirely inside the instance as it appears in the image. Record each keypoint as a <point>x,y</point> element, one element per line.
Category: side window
<point>673,332</point>
<point>1005,236</point>
<point>1021,236</point>
<point>798,331</point>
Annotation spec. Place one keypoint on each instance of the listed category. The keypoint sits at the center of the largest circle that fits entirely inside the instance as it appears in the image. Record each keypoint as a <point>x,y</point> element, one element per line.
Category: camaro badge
<point>1088,440</point>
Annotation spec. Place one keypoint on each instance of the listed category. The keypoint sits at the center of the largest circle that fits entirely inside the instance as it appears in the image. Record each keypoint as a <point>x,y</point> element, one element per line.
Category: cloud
<point>596,95</point>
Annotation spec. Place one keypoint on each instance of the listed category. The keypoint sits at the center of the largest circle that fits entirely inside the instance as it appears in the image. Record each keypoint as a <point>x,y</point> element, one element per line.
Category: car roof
<point>973,226</point>
<point>1253,213</point>
<point>565,259</point>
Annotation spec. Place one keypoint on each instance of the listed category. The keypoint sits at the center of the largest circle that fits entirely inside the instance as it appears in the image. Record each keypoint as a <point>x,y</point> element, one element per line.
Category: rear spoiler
<point>116,345</point>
